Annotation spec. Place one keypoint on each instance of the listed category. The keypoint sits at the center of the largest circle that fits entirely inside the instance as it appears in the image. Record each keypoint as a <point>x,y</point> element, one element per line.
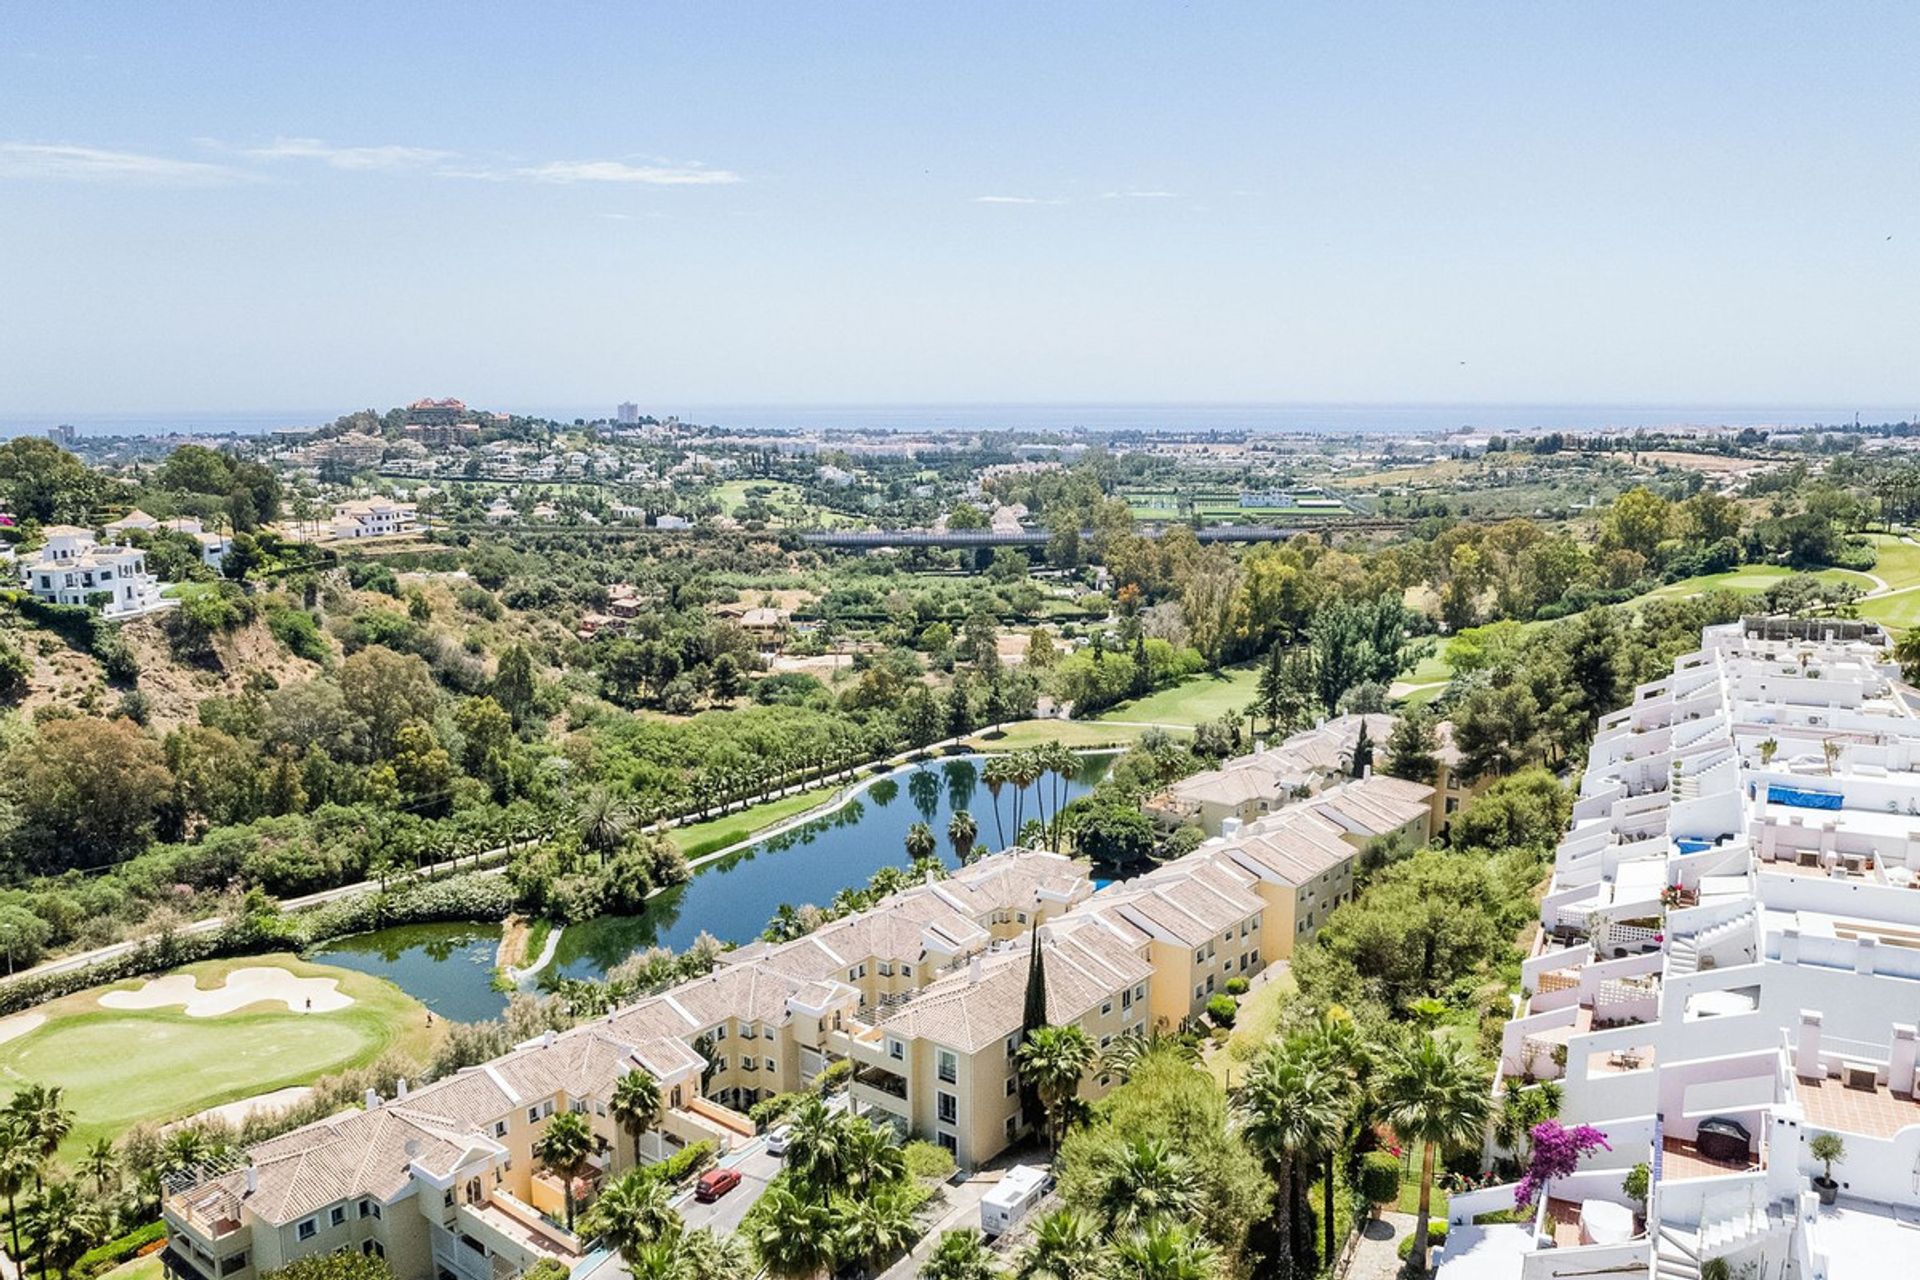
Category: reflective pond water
<point>449,966</point>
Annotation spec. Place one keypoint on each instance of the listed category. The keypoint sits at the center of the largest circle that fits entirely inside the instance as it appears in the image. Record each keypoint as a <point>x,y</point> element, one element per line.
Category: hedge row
<point>114,1252</point>
<point>682,1164</point>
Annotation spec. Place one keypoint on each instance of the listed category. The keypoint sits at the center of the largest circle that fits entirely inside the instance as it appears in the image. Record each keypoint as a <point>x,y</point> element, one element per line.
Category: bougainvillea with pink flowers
<point>1556,1153</point>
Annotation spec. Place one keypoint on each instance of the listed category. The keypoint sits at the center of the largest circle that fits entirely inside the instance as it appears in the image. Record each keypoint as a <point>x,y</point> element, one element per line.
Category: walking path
<point>1377,1254</point>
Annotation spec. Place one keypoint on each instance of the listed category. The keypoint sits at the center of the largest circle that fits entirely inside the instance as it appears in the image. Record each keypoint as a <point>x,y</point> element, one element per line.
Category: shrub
<point>771,1111</point>
<point>299,631</point>
<point>682,1164</point>
<point>546,1269</point>
<point>1237,986</point>
<point>102,1257</point>
<point>928,1160</point>
<point>1379,1178</point>
<point>1222,1009</point>
<point>1436,1236</point>
<point>835,1077</point>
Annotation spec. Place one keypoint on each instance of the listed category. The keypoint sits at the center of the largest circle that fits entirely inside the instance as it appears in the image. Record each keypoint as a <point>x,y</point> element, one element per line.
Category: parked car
<point>777,1139</point>
<point>715,1183</point>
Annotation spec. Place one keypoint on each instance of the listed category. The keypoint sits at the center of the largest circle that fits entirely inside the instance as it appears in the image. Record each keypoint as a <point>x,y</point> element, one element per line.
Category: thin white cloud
<point>95,164</point>
<point>354,158</point>
<point>567,172</point>
<point>1014,200</point>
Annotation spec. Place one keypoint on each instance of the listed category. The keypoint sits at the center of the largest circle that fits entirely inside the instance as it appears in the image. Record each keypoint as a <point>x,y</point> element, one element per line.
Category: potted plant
<point>1829,1150</point>
<point>1767,751</point>
<point>1634,1186</point>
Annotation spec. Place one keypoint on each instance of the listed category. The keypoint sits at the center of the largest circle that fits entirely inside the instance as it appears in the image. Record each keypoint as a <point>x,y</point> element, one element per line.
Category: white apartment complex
<point>73,568</point>
<point>1730,966</point>
<point>924,993</point>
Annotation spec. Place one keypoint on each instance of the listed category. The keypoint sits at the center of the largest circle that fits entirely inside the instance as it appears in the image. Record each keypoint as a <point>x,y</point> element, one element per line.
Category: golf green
<point>122,1067</point>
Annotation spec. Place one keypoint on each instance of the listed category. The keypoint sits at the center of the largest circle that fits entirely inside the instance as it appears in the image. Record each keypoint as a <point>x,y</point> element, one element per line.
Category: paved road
<point>723,1215</point>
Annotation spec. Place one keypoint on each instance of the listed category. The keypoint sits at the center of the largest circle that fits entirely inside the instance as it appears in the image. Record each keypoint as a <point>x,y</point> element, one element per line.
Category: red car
<point>715,1183</point>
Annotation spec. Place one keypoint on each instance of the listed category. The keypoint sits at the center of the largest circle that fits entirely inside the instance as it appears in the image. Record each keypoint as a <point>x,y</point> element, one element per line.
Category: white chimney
<point>373,1099</point>
<point>1229,828</point>
<point>973,971</point>
<point>1902,1058</point>
<point>1366,771</point>
<point>1806,1051</point>
<point>253,1179</point>
<point>547,1038</point>
<point>400,1090</point>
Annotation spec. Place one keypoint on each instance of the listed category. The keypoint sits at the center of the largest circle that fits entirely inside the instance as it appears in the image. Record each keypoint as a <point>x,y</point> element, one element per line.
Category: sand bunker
<point>19,1024</point>
<point>242,988</point>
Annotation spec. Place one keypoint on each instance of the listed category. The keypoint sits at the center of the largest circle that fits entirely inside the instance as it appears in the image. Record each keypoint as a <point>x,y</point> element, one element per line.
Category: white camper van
<point>1002,1208</point>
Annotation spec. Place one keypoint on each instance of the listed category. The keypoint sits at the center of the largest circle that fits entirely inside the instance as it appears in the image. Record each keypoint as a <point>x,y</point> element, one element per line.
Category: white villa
<point>1730,967</point>
<point>373,518</point>
<point>73,568</point>
<point>213,546</point>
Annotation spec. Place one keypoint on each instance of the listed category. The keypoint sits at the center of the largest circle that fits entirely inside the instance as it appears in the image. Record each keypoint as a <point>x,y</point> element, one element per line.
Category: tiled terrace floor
<point>1874,1113</point>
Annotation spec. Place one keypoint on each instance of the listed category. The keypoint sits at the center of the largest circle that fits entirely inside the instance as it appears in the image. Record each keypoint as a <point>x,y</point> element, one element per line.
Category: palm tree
<point>817,1153</point>
<point>1143,1180</point>
<point>869,1160</point>
<point>47,1125</point>
<point>16,1162</point>
<point>793,1236</point>
<point>1066,1245</point>
<point>994,774</point>
<point>565,1147</point>
<point>636,1106</point>
<point>876,1228</point>
<point>604,822</point>
<point>1052,1061</point>
<point>66,1225</point>
<point>1061,766</point>
<point>702,1255</point>
<point>102,1164</point>
<point>960,1255</point>
<point>185,1149</point>
<point>1338,1045</point>
<point>1163,1251</point>
<point>962,832</point>
<point>1433,1092</point>
<point>1290,1112</point>
<point>634,1211</point>
<point>920,842</point>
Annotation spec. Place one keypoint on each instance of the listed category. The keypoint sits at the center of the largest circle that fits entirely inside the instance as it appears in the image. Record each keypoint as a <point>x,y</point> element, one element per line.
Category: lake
<point>448,967</point>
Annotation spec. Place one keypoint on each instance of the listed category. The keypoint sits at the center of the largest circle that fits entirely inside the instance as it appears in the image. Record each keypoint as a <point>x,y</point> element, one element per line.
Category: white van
<point>1002,1208</point>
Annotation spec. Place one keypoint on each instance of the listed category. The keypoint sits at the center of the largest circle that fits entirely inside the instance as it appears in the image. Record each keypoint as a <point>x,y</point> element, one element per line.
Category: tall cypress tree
<point>1031,1020</point>
<point>1362,750</point>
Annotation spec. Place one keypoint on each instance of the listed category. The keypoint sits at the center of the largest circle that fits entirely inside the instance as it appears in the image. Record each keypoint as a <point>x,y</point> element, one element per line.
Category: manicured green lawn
<point>1750,578</point>
<point>123,1066</point>
<point>1897,561</point>
<point>1410,1186</point>
<point>1198,698</point>
<point>718,833</point>
<point>1068,733</point>
<point>1900,610</point>
<point>1253,1028</point>
<point>1433,668</point>
<point>147,1268</point>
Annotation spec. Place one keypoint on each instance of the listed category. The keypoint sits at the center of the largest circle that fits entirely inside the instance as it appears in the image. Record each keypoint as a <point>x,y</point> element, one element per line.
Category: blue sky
<point>225,206</point>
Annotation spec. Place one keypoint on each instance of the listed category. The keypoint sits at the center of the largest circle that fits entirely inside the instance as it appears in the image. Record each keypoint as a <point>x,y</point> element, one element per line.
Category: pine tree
<point>1031,1020</point>
<point>1362,750</point>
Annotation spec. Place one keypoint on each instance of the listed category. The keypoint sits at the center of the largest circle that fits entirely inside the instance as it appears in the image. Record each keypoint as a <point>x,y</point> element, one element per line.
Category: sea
<point>1187,417</point>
